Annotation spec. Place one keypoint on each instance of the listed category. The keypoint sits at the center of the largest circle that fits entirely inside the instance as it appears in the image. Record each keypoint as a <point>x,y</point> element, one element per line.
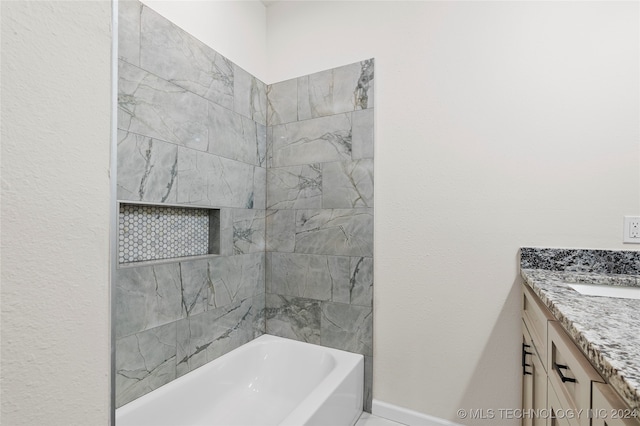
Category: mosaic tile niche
<point>154,232</point>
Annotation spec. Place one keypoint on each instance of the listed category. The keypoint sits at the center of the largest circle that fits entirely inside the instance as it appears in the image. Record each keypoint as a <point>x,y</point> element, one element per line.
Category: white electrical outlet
<point>631,230</point>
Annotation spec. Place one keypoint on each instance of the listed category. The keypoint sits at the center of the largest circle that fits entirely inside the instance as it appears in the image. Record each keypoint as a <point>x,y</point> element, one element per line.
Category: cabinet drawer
<point>608,409</point>
<point>570,374</point>
<point>536,316</point>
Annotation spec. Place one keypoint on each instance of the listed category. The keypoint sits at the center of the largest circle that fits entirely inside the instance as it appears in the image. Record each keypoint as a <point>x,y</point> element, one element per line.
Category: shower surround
<point>290,166</point>
<point>320,210</point>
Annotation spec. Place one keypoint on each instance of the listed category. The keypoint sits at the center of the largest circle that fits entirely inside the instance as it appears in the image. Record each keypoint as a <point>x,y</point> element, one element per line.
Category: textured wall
<point>320,210</point>
<point>192,130</point>
<point>56,109</point>
<point>498,125</point>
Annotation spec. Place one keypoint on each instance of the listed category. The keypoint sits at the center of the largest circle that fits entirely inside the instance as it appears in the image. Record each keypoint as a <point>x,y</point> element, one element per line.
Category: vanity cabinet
<point>534,357</point>
<point>559,385</point>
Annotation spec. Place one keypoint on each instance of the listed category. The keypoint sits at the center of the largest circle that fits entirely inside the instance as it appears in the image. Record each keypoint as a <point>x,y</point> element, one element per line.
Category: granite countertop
<point>606,329</point>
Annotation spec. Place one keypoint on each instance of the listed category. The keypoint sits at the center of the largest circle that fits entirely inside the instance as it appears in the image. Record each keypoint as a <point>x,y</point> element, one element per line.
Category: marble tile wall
<point>290,166</point>
<point>191,130</point>
<point>319,217</point>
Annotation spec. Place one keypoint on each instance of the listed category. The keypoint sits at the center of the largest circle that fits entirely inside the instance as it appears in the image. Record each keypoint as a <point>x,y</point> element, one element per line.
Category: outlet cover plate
<point>631,230</point>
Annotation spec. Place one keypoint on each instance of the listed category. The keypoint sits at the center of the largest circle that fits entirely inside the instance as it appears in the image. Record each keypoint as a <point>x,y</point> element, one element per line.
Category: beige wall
<point>56,109</point>
<point>499,125</point>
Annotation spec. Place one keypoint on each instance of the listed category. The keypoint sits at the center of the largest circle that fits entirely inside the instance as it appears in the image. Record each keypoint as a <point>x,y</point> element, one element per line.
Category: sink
<point>607,290</point>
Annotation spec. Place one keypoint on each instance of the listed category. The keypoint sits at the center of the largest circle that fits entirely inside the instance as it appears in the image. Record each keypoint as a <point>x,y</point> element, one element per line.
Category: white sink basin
<point>607,290</point>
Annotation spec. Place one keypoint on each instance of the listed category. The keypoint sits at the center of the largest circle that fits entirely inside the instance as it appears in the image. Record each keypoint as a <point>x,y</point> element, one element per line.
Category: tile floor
<point>367,419</point>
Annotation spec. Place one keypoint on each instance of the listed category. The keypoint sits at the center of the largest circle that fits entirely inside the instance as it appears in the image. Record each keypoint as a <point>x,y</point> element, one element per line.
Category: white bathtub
<point>268,381</point>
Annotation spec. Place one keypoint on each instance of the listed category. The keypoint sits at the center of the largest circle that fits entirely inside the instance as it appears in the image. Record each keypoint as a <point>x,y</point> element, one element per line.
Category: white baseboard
<point>406,416</point>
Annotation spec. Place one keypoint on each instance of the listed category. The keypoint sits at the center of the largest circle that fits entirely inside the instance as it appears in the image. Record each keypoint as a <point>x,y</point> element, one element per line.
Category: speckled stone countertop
<point>606,329</point>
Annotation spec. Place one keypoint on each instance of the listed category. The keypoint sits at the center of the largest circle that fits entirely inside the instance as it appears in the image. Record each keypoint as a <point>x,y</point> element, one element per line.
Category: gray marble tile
<point>281,230</point>
<point>210,180</point>
<point>258,315</point>
<point>308,276</point>
<point>304,103</point>
<point>146,297</point>
<point>295,187</point>
<point>346,232</point>
<point>347,184</point>
<point>293,318</point>
<point>150,106</point>
<point>207,336</point>
<point>261,137</point>
<point>282,102</point>
<point>358,289</point>
<point>226,232</point>
<point>364,92</point>
<point>347,327</point>
<point>147,169</point>
<point>248,231</point>
<point>235,278</point>
<point>144,362</point>
<point>242,325</point>
<point>335,91</point>
<point>196,282</point>
<point>232,135</point>
<point>267,271</point>
<point>129,31</point>
<point>173,54</point>
<point>363,134</point>
<point>269,149</point>
<point>361,281</point>
<point>259,188</point>
<point>311,141</point>
<point>255,321</point>
<point>194,336</point>
<point>250,96</point>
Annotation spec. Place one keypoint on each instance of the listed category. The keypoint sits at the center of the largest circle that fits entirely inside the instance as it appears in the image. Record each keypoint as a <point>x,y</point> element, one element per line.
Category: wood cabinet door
<point>534,381</point>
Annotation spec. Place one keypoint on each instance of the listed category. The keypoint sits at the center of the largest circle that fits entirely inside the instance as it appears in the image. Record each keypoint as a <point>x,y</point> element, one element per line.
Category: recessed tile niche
<point>148,232</point>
